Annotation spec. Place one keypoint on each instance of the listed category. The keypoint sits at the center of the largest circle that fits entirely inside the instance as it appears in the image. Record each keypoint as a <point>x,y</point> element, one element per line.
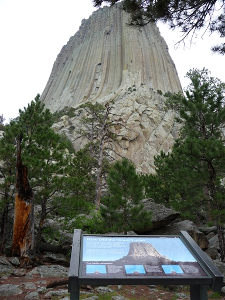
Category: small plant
<point>69,111</point>
<point>52,235</point>
<point>159,92</point>
<point>215,295</point>
<point>210,223</point>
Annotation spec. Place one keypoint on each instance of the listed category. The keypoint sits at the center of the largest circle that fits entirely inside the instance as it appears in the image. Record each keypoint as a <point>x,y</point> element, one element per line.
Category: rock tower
<point>109,60</point>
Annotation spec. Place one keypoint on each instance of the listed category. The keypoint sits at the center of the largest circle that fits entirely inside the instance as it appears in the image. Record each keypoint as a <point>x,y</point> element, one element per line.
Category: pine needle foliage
<point>191,177</point>
<point>189,16</point>
<point>123,210</point>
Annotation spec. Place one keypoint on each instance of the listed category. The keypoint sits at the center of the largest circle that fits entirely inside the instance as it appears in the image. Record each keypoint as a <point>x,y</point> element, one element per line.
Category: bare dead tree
<point>23,231</point>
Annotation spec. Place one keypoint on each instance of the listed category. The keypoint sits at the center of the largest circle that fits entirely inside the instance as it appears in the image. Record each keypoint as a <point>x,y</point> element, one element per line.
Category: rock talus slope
<point>108,60</point>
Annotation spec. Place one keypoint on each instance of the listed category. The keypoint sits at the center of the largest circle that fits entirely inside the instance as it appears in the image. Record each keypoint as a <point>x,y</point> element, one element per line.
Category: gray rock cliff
<point>108,60</point>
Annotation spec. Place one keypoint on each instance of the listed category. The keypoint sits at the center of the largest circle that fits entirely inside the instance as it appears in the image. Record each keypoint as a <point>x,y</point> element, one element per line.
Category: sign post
<point>141,260</point>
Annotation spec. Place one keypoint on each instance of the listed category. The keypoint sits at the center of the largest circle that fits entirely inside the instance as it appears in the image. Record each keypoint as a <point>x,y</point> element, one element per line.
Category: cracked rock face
<point>106,60</point>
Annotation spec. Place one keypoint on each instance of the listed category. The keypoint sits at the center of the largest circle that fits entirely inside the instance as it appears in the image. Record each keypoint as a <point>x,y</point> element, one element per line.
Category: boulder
<point>206,230</point>
<point>32,296</point>
<point>51,271</point>
<point>66,239</point>
<point>103,289</point>
<point>9,290</point>
<point>161,216</point>
<point>6,268</point>
<point>50,294</point>
<point>212,252</point>
<point>188,226</point>
<point>214,241</point>
<point>19,272</point>
<point>210,235</point>
<point>14,261</point>
<point>221,266</point>
<point>55,258</point>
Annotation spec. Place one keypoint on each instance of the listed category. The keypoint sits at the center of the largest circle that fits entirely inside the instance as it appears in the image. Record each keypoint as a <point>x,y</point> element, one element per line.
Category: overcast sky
<point>32,33</point>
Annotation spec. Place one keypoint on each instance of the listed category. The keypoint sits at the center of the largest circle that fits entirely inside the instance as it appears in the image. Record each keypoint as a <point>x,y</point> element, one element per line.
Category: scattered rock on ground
<point>19,272</point>
<point>32,295</point>
<point>30,286</point>
<point>5,270</point>
<point>55,293</point>
<point>51,271</point>
<point>9,290</point>
<point>14,261</point>
<point>119,298</point>
<point>92,298</point>
<point>103,289</point>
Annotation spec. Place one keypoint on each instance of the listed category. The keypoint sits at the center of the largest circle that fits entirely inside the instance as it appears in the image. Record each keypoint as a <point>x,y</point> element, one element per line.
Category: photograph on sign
<point>138,256</point>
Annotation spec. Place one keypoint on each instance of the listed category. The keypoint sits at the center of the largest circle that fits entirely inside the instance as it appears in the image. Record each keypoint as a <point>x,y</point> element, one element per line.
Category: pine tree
<point>7,179</point>
<point>97,128</point>
<point>190,16</point>
<point>44,153</point>
<point>79,185</point>
<point>2,119</point>
<point>123,210</point>
<point>197,164</point>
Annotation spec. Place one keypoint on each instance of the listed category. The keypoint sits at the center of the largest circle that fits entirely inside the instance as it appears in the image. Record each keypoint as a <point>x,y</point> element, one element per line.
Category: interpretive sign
<point>137,256</point>
<point>103,259</point>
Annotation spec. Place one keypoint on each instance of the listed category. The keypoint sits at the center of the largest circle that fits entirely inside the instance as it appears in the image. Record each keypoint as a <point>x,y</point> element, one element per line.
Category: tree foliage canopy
<point>43,152</point>
<point>191,177</point>
<point>189,16</point>
<point>124,210</point>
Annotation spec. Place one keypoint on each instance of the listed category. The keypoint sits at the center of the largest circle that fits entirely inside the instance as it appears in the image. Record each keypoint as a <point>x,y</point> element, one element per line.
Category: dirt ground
<point>139,292</point>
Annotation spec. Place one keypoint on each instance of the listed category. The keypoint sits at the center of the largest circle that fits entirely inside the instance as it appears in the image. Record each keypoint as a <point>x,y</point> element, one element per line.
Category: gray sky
<point>32,33</point>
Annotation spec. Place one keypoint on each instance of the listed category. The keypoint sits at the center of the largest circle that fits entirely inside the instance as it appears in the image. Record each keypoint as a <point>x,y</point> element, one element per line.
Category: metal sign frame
<point>198,284</point>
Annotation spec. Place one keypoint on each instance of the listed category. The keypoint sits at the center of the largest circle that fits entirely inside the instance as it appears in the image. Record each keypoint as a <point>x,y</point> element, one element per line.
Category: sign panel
<point>107,257</point>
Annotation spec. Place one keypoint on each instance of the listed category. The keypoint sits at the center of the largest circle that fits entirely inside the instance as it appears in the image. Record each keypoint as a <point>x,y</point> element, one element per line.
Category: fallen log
<point>47,247</point>
<point>55,283</point>
<point>60,282</point>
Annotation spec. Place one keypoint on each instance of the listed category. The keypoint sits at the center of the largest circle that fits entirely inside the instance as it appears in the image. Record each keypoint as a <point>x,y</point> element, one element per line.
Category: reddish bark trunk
<point>23,230</point>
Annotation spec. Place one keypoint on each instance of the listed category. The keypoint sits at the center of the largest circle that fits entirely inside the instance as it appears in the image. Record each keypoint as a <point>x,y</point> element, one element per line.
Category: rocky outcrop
<point>106,60</point>
<point>188,226</point>
<point>148,127</point>
<point>161,216</point>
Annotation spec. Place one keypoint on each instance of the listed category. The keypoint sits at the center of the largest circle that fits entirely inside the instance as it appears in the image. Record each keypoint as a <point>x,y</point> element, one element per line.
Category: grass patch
<point>215,295</point>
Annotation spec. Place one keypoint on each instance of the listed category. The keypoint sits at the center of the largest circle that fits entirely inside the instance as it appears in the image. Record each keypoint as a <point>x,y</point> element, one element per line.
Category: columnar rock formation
<point>144,253</point>
<point>109,60</point>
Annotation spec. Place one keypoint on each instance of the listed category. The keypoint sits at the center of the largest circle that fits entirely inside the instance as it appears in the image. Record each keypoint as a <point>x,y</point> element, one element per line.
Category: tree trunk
<point>98,178</point>
<point>23,230</point>
<point>100,161</point>
<point>42,219</point>
<point>4,226</point>
<point>221,242</point>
